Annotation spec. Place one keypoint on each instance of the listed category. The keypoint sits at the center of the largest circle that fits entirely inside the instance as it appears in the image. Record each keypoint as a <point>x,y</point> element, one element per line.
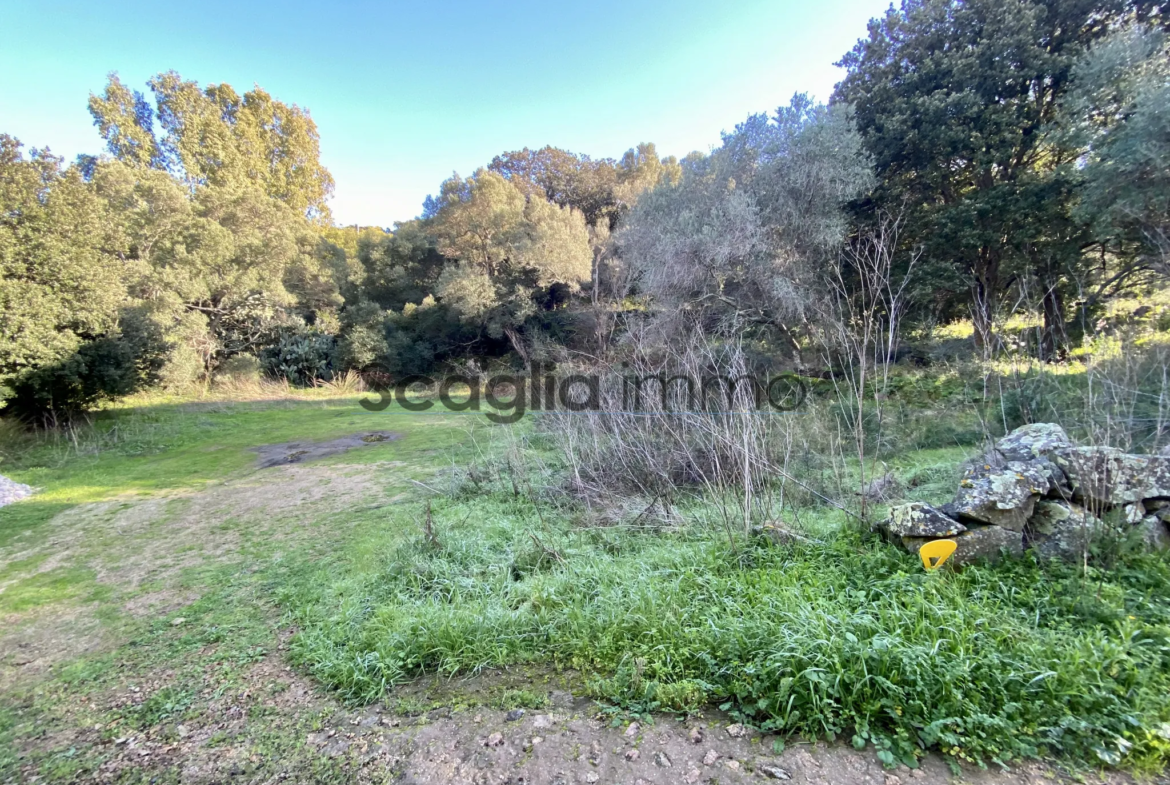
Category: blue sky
<point>404,93</point>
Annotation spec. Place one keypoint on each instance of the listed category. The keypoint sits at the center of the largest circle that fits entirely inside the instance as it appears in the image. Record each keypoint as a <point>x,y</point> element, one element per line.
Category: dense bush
<point>55,394</point>
<point>301,355</point>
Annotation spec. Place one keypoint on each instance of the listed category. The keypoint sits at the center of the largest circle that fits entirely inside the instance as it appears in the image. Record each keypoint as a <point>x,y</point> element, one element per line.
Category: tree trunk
<point>518,345</point>
<point>984,300</point>
<point>1053,337</point>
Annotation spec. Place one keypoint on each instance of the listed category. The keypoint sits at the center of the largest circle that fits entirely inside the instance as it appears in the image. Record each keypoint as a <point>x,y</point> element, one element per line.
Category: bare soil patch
<point>298,452</point>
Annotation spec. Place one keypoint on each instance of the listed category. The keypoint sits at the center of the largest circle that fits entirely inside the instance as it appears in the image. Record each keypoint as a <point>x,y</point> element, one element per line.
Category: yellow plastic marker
<point>939,550</point>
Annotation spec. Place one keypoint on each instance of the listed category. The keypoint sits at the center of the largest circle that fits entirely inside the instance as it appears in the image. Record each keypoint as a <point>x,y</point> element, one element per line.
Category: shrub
<point>301,355</point>
<point>56,394</point>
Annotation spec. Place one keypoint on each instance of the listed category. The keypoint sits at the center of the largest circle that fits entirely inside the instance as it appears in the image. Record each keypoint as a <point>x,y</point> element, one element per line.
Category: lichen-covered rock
<point>1153,533</point>
<point>1061,530</point>
<point>1001,496</point>
<point>1134,513</point>
<point>1106,476</point>
<point>1154,505</point>
<point>1037,440</point>
<point>918,519</point>
<point>979,543</point>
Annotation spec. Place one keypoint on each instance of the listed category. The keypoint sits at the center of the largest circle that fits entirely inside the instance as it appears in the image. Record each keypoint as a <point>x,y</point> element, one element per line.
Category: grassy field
<point>160,581</point>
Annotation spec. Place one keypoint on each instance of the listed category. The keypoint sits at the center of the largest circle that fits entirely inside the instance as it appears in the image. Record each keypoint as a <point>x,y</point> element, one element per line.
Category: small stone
<point>696,735</point>
<point>1153,534</point>
<point>478,718</point>
<point>514,715</point>
<point>182,731</point>
<point>662,759</point>
<point>632,730</point>
<point>733,765</point>
<point>736,731</point>
<point>893,779</point>
<point>1038,440</point>
<point>1000,496</point>
<point>710,758</point>
<point>1061,530</point>
<point>692,776</point>
<point>918,519</point>
<point>591,777</point>
<point>542,721</point>
<point>178,621</point>
<point>1134,512</point>
<point>632,755</point>
<point>775,772</point>
<point>495,740</point>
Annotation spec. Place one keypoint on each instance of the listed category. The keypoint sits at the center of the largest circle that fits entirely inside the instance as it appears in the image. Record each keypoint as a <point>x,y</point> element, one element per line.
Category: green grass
<point>842,636</point>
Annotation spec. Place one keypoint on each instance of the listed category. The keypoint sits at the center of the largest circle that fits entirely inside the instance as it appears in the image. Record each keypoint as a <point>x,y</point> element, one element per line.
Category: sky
<point>405,93</point>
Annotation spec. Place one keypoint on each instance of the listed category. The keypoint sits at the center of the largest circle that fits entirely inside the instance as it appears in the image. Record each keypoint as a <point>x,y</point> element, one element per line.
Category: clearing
<point>201,593</point>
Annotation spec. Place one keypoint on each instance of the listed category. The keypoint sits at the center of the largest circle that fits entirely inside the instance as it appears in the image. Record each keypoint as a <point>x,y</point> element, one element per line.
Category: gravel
<point>12,491</point>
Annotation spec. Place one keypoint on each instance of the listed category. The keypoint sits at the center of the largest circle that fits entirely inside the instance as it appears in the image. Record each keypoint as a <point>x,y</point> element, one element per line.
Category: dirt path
<point>565,742</point>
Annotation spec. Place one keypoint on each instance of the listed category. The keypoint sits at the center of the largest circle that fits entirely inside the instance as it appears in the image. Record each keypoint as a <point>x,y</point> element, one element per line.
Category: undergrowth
<point>833,635</point>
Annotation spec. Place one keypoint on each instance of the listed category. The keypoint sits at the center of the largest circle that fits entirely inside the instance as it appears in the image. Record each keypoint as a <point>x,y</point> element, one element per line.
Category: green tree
<point>955,99</point>
<point>63,272</point>
<point>1119,110</point>
<point>505,250</point>
<point>741,241</point>
<point>214,136</point>
<point>563,178</point>
<point>219,271</point>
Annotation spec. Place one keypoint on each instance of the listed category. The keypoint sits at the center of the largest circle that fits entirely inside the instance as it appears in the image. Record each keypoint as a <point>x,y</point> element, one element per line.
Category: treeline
<point>1005,155</point>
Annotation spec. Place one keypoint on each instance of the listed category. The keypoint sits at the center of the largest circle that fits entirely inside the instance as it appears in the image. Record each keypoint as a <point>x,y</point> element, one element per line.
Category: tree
<point>220,270</point>
<point>563,178</point>
<point>741,240</point>
<point>955,100</point>
<point>505,249</point>
<point>1119,110</point>
<point>63,276</point>
<point>213,136</point>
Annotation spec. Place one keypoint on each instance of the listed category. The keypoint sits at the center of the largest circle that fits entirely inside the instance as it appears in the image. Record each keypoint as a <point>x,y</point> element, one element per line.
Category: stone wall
<point>1036,489</point>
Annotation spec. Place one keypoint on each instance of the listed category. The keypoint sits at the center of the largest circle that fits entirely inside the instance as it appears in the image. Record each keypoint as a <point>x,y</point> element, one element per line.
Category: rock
<point>1061,530</point>
<point>980,543</point>
<point>883,488</point>
<point>710,758</point>
<point>590,777</point>
<point>696,735</point>
<point>917,519</point>
<point>11,491</point>
<point>1134,513</point>
<point>1029,442</point>
<point>632,755</point>
<point>514,715</point>
<point>692,776</point>
<point>542,721</point>
<point>737,731</point>
<point>1153,505</point>
<point>1106,476</point>
<point>632,730</point>
<point>495,740</point>
<point>1153,533</point>
<point>732,764</point>
<point>774,772</point>
<point>662,759</point>
<point>1001,496</point>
